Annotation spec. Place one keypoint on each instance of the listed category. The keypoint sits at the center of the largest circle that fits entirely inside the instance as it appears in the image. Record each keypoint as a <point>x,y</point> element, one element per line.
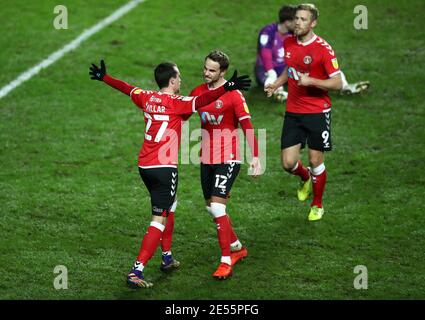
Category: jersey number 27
<point>156,117</point>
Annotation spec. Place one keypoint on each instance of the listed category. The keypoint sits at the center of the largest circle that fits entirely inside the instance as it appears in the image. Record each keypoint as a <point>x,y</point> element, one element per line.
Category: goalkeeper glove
<point>96,73</point>
<point>237,83</point>
<point>271,77</point>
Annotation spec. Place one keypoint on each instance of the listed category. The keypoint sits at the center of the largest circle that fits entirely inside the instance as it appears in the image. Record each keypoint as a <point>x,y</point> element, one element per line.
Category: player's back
<point>164,115</point>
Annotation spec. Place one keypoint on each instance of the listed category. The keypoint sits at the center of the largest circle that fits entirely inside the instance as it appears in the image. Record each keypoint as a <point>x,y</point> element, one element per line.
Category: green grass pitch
<point>70,193</point>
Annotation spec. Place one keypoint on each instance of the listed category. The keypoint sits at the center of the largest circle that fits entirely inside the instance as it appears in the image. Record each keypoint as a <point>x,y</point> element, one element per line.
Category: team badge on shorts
<point>307,59</point>
<point>219,104</point>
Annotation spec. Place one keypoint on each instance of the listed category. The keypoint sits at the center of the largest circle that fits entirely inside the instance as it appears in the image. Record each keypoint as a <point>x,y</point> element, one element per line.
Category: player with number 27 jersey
<point>164,114</point>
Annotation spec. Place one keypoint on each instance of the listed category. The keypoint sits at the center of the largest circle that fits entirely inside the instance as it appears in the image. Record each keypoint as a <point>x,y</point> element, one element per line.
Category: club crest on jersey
<point>308,59</point>
<point>219,104</point>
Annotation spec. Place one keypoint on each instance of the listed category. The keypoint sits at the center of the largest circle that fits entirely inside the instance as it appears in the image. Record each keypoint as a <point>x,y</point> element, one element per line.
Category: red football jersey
<point>219,121</point>
<point>317,59</point>
<point>164,115</point>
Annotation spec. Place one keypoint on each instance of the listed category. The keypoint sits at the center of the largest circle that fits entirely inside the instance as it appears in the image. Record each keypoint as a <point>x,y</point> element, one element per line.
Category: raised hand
<point>237,83</point>
<point>96,72</point>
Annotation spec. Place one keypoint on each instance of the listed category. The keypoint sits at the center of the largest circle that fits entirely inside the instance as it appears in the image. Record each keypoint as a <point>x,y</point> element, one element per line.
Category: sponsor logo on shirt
<point>155,99</point>
<point>212,119</point>
<point>292,73</point>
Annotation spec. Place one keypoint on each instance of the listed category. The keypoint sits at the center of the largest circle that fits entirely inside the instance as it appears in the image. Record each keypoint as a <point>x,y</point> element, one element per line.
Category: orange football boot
<point>223,271</point>
<point>235,256</point>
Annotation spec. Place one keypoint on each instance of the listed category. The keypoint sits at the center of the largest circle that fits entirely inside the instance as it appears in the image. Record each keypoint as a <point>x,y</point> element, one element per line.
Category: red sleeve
<point>208,97</point>
<point>330,61</point>
<point>122,86</point>
<point>188,105</point>
<point>240,106</point>
<point>248,130</point>
<point>139,96</point>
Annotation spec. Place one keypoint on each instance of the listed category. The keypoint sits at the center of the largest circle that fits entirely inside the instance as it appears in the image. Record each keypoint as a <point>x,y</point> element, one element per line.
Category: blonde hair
<point>311,8</point>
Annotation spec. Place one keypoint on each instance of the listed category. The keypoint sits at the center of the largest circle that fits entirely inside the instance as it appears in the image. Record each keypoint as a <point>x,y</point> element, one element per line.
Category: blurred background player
<point>164,112</point>
<point>312,70</point>
<point>270,55</point>
<point>220,155</point>
<point>270,61</point>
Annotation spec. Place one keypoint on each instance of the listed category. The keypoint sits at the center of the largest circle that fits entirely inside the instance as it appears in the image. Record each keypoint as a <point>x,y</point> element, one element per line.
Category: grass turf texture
<point>70,193</point>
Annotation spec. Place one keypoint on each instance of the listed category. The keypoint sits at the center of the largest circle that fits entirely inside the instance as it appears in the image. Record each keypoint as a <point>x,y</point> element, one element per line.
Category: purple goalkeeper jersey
<point>270,41</point>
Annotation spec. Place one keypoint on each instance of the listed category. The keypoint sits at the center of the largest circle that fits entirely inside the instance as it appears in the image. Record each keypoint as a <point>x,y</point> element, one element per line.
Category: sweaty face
<point>303,23</point>
<point>212,72</point>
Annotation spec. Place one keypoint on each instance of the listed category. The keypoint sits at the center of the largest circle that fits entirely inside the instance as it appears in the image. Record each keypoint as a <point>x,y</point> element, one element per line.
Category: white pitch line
<point>70,46</point>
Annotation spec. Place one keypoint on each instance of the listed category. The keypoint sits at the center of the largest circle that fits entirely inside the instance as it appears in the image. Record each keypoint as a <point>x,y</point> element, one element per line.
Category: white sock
<point>226,260</point>
<point>138,266</point>
<point>236,246</point>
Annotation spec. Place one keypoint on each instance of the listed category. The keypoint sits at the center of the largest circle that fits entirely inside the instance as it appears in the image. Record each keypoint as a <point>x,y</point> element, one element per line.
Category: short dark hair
<point>164,72</point>
<point>220,57</point>
<point>286,13</point>
<point>311,8</point>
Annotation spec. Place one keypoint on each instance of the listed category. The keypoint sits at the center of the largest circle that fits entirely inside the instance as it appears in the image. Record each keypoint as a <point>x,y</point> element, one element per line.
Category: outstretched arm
<point>234,83</point>
<point>100,75</point>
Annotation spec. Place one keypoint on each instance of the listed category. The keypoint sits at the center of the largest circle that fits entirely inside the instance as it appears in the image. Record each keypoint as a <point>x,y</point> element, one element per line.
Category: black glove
<point>96,73</point>
<point>237,83</point>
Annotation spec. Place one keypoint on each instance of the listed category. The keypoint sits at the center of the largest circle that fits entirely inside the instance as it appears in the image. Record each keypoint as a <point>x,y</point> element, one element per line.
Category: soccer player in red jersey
<point>164,112</point>
<point>312,69</point>
<point>220,155</point>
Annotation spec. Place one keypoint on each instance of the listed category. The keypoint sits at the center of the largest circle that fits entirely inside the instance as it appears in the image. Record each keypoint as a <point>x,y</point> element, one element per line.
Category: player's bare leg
<point>150,243</point>
<point>318,173</point>
<point>290,158</point>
